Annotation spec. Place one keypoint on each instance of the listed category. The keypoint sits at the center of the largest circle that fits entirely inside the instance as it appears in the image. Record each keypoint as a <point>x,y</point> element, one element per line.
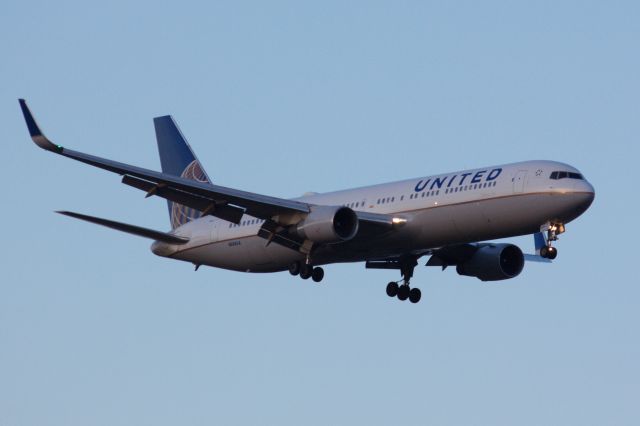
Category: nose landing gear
<point>552,231</point>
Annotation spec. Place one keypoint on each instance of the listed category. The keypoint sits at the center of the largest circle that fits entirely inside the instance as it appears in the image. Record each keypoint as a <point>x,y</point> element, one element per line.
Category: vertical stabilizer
<point>177,159</point>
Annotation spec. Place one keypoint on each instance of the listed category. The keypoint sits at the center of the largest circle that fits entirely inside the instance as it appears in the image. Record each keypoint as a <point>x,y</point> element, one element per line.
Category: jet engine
<point>493,262</point>
<point>328,224</point>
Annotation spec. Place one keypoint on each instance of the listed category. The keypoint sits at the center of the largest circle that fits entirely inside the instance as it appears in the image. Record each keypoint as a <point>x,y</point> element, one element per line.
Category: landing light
<point>398,220</point>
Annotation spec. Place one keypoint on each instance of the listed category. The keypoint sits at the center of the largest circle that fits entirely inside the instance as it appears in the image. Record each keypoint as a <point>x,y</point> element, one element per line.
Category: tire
<point>415,295</point>
<point>294,268</point>
<point>305,272</point>
<point>392,289</point>
<point>544,252</point>
<point>403,292</point>
<point>317,274</point>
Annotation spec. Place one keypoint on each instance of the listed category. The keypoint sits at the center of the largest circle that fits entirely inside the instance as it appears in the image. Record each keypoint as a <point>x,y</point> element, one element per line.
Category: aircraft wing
<point>227,203</point>
<point>261,206</point>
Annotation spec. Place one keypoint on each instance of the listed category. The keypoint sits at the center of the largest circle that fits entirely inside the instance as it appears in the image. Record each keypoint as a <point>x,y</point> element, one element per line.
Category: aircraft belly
<point>248,254</point>
<point>521,215</point>
<point>456,224</point>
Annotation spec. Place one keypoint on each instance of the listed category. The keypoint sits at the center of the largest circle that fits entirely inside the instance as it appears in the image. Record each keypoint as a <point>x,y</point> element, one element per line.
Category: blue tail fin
<point>177,159</point>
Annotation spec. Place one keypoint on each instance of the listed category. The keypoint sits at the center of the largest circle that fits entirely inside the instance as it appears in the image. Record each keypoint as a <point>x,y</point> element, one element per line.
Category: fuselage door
<point>518,181</point>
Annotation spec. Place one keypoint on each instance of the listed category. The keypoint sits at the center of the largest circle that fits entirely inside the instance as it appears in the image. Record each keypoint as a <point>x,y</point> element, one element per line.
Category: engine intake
<point>327,224</point>
<point>493,262</point>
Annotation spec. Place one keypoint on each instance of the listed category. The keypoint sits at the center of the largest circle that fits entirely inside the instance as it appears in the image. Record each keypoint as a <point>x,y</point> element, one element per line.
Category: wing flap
<point>206,205</point>
<point>273,233</point>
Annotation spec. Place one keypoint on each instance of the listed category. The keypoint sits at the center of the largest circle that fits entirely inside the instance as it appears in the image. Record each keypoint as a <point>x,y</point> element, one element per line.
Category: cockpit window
<point>563,175</point>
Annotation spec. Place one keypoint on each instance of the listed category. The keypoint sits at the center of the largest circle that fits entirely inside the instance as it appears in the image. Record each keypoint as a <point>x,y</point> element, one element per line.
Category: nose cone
<point>581,198</point>
<point>584,186</point>
<point>584,200</point>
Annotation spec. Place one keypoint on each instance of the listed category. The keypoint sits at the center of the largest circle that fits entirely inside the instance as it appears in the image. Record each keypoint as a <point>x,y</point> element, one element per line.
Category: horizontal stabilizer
<point>131,229</point>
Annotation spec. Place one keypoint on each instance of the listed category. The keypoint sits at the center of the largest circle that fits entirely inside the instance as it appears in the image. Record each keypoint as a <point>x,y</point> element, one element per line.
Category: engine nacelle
<point>327,224</point>
<point>494,262</point>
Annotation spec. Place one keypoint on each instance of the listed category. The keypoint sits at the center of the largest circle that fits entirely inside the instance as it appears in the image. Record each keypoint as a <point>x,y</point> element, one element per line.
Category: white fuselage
<point>452,208</point>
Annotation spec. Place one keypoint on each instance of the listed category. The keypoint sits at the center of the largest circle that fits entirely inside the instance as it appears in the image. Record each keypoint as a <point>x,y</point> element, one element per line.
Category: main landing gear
<point>306,271</point>
<point>552,230</point>
<point>404,291</point>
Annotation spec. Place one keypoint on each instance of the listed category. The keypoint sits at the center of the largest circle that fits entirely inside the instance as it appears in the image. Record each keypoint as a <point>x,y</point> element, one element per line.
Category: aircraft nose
<point>583,196</point>
<point>585,187</point>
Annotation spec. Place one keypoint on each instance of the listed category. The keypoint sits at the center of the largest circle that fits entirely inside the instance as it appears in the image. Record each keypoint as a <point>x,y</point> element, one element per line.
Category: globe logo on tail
<point>181,214</point>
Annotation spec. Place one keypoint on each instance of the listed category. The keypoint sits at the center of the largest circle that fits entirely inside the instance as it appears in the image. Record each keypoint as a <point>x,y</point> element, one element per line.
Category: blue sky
<point>287,97</point>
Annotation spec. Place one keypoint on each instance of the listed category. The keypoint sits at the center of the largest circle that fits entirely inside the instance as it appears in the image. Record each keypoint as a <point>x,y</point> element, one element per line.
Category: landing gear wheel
<point>403,292</point>
<point>552,253</point>
<point>549,252</point>
<point>317,274</point>
<point>306,271</point>
<point>294,268</point>
<point>392,289</point>
<point>544,252</point>
<point>414,295</point>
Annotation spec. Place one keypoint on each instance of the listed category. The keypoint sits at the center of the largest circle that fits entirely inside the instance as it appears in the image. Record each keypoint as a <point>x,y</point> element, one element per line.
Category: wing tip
<point>34,130</point>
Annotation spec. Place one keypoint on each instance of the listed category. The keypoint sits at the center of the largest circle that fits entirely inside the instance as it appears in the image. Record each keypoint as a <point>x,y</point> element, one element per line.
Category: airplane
<point>448,217</point>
